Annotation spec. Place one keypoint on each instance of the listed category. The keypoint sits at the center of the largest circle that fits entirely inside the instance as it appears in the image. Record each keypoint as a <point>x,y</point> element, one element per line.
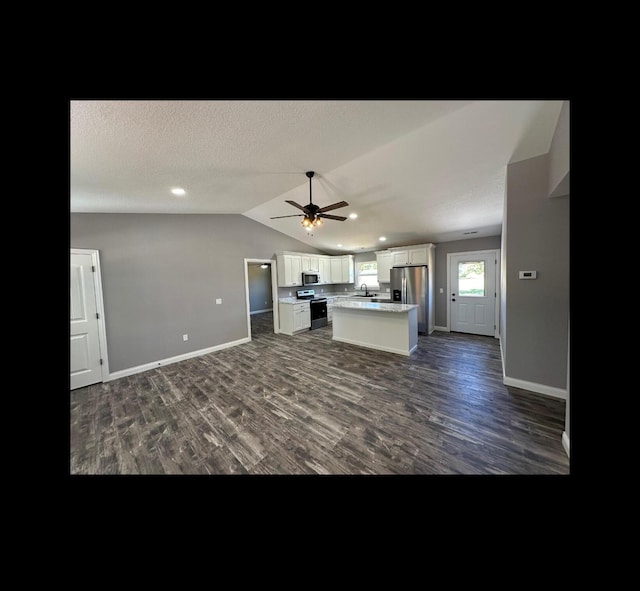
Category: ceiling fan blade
<point>334,206</point>
<point>295,215</point>
<point>332,217</point>
<point>294,204</point>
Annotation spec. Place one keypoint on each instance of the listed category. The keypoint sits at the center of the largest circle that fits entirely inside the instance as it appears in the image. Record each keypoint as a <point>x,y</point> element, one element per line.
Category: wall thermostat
<point>528,274</point>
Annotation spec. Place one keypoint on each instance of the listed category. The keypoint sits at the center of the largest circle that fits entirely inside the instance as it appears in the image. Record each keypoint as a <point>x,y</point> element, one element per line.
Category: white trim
<point>260,311</point>
<point>274,293</point>
<point>531,386</point>
<point>496,253</point>
<point>534,387</point>
<point>442,328</point>
<point>565,442</point>
<point>379,348</point>
<point>147,366</point>
<point>102,327</point>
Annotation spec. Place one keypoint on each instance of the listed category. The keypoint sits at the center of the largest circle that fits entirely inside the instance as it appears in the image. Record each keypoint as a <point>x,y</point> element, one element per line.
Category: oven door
<point>318,314</point>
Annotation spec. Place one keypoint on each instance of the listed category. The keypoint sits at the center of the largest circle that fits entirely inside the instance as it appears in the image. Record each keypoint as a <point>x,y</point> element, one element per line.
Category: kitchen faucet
<point>366,289</point>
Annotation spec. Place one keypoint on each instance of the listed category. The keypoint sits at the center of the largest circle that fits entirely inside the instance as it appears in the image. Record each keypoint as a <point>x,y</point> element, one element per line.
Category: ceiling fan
<point>313,215</point>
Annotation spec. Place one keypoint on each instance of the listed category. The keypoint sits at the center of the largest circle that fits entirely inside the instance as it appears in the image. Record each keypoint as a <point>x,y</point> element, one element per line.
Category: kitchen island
<point>387,327</point>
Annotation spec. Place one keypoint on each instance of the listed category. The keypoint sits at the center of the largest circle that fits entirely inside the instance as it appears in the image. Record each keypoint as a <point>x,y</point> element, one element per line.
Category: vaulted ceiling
<point>413,171</point>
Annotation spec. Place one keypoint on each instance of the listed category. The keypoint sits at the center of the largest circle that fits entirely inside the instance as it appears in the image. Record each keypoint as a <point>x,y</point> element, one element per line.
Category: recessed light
<point>382,238</point>
<point>178,191</point>
<point>353,216</point>
<point>339,245</point>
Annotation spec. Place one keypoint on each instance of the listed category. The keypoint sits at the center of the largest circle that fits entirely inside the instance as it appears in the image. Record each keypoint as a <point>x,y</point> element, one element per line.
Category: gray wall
<point>260,297</point>
<point>536,311</point>
<point>559,155</point>
<point>161,275</point>
<point>442,250</point>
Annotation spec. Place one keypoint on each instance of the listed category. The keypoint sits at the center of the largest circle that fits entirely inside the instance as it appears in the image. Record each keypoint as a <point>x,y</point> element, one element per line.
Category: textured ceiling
<point>412,170</point>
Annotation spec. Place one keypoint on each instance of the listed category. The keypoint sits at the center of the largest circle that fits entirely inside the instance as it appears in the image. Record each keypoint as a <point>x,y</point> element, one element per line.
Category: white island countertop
<point>375,306</point>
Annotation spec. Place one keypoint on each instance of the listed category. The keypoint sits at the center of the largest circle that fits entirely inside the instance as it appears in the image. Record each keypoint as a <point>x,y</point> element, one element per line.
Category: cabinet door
<point>384,267</point>
<point>302,317</point>
<point>418,256</point>
<point>305,315</point>
<point>399,257</point>
<point>293,270</point>
<point>347,269</point>
<point>314,264</point>
<point>324,270</point>
<point>306,266</point>
<point>336,269</point>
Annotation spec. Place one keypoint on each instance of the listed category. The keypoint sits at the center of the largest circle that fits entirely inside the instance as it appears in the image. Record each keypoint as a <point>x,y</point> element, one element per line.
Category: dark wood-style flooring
<point>309,405</point>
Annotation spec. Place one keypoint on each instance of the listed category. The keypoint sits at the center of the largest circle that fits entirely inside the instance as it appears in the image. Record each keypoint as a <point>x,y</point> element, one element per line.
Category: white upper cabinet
<point>289,270</point>
<point>410,255</point>
<point>400,257</point>
<point>418,256</point>
<point>347,269</point>
<point>332,269</point>
<point>324,264</point>
<point>336,269</point>
<point>384,266</point>
<point>310,263</point>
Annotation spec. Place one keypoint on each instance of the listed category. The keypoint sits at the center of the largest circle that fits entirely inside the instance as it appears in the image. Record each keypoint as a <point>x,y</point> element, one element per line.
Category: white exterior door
<point>473,293</point>
<point>85,355</point>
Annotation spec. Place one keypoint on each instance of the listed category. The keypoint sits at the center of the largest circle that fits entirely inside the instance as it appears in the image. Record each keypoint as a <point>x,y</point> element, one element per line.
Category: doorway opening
<point>262,296</point>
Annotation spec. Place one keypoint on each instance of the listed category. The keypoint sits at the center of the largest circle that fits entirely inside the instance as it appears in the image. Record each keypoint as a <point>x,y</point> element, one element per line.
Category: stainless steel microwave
<point>310,279</point>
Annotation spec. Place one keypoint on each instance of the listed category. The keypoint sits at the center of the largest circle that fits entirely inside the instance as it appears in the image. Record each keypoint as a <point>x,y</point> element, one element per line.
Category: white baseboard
<point>442,328</point>
<point>565,442</point>
<point>147,366</point>
<point>260,311</point>
<point>377,347</point>
<point>531,386</point>
<point>534,387</point>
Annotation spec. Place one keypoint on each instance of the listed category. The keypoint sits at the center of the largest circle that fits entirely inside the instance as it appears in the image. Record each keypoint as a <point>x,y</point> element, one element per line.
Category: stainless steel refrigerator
<point>410,285</point>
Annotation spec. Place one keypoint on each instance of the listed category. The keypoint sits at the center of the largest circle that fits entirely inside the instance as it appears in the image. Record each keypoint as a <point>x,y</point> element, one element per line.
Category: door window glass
<point>471,279</point>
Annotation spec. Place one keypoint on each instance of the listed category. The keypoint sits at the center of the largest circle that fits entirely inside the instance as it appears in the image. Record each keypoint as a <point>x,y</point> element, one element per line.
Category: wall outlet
<point>265,302</point>
<point>322,291</point>
<point>388,289</point>
<point>345,289</point>
<point>441,290</point>
<point>218,300</point>
<point>290,294</point>
<point>185,337</point>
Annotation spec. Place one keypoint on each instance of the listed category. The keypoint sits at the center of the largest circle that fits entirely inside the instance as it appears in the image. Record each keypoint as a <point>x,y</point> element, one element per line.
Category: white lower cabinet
<point>294,317</point>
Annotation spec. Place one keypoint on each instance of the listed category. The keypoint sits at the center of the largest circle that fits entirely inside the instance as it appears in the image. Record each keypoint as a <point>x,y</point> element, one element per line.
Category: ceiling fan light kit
<point>313,215</point>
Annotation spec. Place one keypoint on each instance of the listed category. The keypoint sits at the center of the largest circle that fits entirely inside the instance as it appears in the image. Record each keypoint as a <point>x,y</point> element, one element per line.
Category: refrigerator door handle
<point>404,290</point>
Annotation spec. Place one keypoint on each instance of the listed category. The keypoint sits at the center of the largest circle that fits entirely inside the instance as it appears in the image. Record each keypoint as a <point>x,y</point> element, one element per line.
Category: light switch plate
<point>218,300</point>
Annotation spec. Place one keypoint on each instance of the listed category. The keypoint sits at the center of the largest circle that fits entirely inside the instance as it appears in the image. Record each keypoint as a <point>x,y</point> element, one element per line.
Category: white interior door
<point>85,356</point>
<point>473,293</point>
